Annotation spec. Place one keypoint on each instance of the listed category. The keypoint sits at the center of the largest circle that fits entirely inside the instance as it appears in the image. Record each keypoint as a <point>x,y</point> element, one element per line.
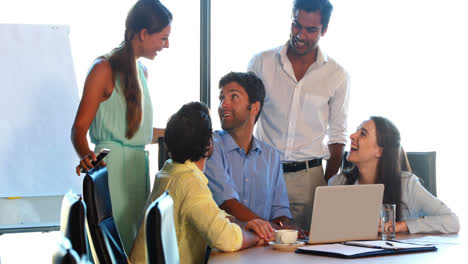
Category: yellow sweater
<point>198,220</point>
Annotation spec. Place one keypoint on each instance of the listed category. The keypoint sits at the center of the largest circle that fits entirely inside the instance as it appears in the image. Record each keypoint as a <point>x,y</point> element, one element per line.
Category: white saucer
<point>286,247</point>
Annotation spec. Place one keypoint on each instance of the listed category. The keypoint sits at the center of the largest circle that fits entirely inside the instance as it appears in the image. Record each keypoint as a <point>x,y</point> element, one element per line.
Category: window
<point>240,29</point>
<point>405,58</point>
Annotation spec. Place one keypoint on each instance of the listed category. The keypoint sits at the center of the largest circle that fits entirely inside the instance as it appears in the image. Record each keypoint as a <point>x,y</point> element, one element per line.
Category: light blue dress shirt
<point>256,180</point>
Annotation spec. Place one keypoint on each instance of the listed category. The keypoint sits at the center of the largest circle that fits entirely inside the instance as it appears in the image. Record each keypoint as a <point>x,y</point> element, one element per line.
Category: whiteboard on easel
<point>38,102</point>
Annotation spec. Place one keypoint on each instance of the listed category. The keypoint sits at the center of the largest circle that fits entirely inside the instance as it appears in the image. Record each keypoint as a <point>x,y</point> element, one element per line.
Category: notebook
<point>346,212</point>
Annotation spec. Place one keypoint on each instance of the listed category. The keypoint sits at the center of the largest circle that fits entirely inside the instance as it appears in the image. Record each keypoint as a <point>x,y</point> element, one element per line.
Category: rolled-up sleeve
<point>338,112</point>
<point>219,180</point>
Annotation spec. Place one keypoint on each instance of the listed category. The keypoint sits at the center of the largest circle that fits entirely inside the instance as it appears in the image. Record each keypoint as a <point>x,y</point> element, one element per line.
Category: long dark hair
<point>390,163</point>
<point>145,14</point>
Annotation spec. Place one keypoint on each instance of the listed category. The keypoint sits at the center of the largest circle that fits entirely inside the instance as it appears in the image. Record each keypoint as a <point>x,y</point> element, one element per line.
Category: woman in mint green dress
<point>116,109</point>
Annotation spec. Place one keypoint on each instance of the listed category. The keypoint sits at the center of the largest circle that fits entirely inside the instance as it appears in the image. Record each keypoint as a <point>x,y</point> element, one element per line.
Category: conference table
<point>452,248</point>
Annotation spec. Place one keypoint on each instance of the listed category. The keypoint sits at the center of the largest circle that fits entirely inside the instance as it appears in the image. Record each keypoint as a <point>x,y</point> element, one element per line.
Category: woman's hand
<point>263,230</point>
<point>400,226</point>
<point>86,163</point>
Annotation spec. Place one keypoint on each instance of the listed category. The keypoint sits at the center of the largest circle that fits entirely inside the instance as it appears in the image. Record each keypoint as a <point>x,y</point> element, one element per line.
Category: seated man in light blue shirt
<point>245,174</point>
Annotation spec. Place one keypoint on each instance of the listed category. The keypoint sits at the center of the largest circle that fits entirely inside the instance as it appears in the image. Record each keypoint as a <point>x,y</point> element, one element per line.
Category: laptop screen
<point>346,212</point>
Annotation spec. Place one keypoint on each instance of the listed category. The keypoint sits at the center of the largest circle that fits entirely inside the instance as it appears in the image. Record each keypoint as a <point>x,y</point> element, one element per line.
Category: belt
<point>297,166</point>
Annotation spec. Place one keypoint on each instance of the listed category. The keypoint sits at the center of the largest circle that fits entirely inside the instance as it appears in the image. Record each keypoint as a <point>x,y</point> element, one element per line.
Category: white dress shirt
<point>297,116</point>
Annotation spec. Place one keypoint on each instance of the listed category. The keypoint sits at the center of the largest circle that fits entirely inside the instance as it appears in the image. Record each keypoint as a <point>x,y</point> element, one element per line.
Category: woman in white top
<point>377,155</point>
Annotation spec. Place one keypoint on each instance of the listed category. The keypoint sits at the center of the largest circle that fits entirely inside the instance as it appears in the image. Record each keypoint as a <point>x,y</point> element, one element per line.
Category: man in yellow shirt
<point>198,220</point>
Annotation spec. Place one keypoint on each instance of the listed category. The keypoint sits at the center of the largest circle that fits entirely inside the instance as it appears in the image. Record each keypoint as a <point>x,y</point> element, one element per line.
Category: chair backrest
<point>161,239</point>
<point>423,165</point>
<point>345,164</point>
<point>65,253</point>
<point>163,154</point>
<point>72,222</point>
<point>105,242</point>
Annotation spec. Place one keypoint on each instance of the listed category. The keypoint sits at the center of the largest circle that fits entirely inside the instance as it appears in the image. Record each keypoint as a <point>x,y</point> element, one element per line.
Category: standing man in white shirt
<point>307,96</point>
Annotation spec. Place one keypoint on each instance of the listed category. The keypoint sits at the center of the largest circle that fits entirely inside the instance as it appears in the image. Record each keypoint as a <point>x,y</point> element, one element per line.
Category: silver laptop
<point>346,212</point>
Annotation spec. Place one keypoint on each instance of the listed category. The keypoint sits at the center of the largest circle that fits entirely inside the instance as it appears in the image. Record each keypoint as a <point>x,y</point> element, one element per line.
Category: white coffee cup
<point>286,236</point>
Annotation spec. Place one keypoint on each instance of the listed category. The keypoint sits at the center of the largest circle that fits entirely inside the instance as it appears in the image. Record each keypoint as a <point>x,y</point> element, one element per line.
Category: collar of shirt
<point>174,167</point>
<point>322,58</point>
<point>231,144</point>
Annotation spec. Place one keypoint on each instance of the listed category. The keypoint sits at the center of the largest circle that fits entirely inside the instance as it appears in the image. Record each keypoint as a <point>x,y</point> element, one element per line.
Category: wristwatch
<point>278,222</point>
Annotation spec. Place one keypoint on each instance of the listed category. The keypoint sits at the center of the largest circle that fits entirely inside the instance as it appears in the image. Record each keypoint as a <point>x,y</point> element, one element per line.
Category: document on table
<point>432,240</point>
<point>383,244</point>
<point>356,249</point>
<point>340,249</point>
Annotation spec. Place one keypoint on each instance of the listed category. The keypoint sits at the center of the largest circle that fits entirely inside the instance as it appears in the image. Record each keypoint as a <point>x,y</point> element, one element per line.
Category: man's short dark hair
<point>252,85</point>
<point>323,6</point>
<point>189,132</point>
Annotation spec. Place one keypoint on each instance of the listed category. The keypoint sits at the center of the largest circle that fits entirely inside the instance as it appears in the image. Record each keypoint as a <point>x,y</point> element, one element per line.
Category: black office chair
<point>163,154</point>
<point>161,239</point>
<point>423,165</point>
<point>72,222</point>
<point>105,243</point>
<point>65,253</point>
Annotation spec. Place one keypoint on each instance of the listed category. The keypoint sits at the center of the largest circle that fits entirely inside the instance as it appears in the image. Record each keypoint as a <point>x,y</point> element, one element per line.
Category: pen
<point>357,244</point>
<point>352,243</point>
<point>392,245</point>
